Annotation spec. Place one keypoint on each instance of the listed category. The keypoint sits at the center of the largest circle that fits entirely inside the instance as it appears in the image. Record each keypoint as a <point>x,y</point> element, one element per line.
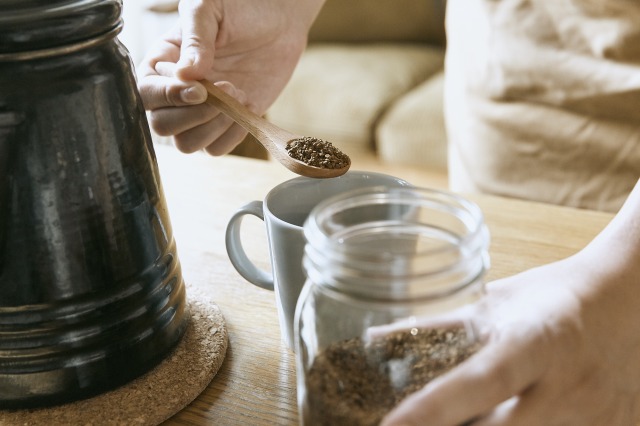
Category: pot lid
<point>28,25</point>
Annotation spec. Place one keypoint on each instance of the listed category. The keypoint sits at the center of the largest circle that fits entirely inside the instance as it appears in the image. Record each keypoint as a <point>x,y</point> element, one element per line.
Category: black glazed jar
<point>91,292</point>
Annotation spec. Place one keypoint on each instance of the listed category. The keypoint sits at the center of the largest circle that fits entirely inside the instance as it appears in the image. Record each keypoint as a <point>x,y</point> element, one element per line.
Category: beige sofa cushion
<point>418,117</point>
<point>338,92</point>
<point>380,20</point>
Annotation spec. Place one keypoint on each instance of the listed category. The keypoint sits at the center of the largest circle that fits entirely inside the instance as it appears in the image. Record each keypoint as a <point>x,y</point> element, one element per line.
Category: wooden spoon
<point>272,137</point>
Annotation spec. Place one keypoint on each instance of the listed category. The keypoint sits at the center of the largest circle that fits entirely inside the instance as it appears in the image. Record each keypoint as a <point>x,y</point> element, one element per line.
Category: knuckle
<point>159,125</point>
<point>145,94</point>
<point>201,114</point>
<point>185,144</point>
<point>171,95</point>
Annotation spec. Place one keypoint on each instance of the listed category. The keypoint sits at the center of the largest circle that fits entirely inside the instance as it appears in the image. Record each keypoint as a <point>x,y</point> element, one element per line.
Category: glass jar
<point>386,269</point>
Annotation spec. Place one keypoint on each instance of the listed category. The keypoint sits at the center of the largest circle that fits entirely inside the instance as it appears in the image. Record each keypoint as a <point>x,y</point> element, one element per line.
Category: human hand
<point>248,47</point>
<point>563,350</point>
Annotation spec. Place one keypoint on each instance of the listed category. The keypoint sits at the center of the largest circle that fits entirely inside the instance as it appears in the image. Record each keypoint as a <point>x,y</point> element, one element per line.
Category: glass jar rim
<point>353,198</point>
<point>437,245</point>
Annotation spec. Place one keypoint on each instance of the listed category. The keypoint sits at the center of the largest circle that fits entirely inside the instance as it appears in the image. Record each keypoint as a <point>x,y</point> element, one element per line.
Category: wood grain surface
<point>256,383</point>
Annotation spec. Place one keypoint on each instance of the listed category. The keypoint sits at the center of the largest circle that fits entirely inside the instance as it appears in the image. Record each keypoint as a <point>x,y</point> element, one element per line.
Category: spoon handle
<point>272,137</point>
<point>264,131</point>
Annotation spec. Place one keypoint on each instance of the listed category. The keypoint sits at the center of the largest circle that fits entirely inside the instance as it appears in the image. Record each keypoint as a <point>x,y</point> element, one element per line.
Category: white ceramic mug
<point>284,210</point>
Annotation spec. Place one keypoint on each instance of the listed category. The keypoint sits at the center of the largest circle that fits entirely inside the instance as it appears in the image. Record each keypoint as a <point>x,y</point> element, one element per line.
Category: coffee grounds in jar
<point>317,152</point>
<point>352,383</point>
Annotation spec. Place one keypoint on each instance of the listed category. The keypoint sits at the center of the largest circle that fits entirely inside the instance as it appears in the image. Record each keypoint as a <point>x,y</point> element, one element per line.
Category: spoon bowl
<point>273,138</point>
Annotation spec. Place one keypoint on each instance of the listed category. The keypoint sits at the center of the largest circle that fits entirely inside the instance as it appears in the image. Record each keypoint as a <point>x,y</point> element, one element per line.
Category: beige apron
<point>542,99</point>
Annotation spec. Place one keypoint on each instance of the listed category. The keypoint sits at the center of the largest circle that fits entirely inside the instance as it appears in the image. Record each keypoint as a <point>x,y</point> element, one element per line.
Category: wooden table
<point>256,383</point>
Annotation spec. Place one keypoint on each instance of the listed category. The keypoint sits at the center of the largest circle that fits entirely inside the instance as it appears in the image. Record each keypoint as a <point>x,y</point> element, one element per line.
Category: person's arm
<point>565,347</point>
<point>247,47</point>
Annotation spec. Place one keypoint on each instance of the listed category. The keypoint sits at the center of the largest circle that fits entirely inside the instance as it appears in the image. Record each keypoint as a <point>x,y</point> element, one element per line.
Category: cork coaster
<point>157,395</point>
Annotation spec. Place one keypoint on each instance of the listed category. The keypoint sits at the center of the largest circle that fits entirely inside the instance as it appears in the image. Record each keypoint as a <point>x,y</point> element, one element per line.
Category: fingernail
<point>193,95</point>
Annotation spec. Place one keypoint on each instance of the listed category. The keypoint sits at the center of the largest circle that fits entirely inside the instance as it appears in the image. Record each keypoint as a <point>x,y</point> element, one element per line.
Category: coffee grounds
<point>352,383</point>
<point>317,152</point>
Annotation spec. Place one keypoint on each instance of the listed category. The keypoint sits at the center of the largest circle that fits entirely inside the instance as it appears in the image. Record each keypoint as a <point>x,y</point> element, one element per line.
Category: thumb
<point>199,31</point>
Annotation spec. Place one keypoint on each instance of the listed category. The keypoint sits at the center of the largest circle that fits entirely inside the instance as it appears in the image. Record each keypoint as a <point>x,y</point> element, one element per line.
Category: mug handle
<point>236,252</point>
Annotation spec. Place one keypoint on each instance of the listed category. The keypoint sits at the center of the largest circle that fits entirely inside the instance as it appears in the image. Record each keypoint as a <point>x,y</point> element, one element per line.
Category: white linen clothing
<point>542,99</point>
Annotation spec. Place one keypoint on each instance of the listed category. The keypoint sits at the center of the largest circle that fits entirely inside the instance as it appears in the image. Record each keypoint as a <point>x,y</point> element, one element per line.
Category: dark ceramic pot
<point>91,292</point>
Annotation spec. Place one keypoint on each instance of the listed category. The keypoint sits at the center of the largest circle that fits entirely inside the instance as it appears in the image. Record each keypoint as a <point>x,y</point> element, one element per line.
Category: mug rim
<point>303,180</point>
